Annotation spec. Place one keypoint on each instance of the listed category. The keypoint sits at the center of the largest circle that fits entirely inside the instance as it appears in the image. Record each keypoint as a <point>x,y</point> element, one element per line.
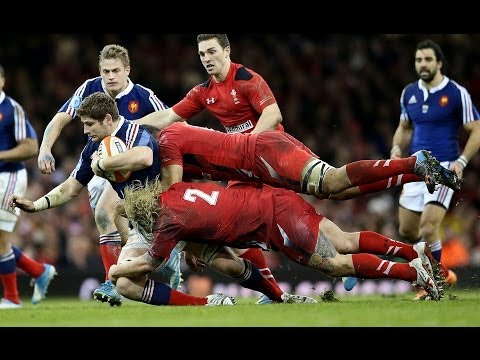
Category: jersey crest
<point>133,106</point>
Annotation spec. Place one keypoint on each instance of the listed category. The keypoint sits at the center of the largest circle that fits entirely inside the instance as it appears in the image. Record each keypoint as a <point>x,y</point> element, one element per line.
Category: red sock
<point>179,298</point>
<point>369,171</point>
<point>368,266</point>
<point>374,243</point>
<point>110,253</point>
<point>10,288</point>
<point>30,266</point>
<point>391,182</point>
<point>255,255</point>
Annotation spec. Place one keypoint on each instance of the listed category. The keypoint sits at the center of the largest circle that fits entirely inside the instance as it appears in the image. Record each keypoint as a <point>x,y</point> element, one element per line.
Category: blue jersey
<point>134,102</point>
<point>133,135</point>
<point>14,126</point>
<point>437,115</point>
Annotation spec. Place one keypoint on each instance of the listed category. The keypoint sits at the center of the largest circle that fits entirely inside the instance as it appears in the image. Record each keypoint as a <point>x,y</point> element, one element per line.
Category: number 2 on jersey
<point>192,195</point>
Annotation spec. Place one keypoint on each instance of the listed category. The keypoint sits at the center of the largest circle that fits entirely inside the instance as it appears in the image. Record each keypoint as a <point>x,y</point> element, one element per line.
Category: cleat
<point>7,304</point>
<point>40,284</point>
<point>449,178</point>
<point>297,299</point>
<point>427,167</point>
<point>263,300</point>
<point>425,280</point>
<point>424,253</point>
<point>219,300</point>
<point>349,282</point>
<point>172,271</point>
<point>108,293</point>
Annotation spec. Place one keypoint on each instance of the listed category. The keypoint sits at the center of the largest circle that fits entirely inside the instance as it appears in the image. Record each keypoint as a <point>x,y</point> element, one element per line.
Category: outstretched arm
<point>64,192</point>
<point>160,119</point>
<point>46,161</point>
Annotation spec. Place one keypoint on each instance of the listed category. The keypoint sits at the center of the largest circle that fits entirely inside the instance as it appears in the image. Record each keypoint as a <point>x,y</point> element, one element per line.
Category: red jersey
<point>239,216</point>
<point>272,157</point>
<point>236,102</point>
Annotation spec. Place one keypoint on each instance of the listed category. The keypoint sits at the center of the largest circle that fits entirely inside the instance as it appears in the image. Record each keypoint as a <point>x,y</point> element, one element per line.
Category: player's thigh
<point>298,226</point>
<point>11,183</point>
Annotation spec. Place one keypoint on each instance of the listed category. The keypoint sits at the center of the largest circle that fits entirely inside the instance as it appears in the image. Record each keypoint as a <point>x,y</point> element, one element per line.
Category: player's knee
<point>313,178</point>
<point>105,219</point>
<point>126,288</point>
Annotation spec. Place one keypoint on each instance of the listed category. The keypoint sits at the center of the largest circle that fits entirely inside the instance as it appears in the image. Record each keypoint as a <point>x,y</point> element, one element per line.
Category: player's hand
<point>194,263</point>
<point>46,162</point>
<point>458,168</point>
<point>94,165</point>
<point>16,201</point>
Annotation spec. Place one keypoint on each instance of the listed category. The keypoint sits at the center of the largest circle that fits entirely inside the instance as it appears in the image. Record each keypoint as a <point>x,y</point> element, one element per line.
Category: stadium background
<point>339,94</point>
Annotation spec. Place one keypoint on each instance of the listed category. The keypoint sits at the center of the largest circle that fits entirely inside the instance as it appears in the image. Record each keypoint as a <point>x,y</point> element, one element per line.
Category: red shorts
<point>280,159</point>
<point>296,233</point>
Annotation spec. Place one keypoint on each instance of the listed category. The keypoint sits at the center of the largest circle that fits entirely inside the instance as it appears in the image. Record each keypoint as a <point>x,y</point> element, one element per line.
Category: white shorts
<point>96,187</point>
<point>137,241</point>
<point>11,183</point>
<point>415,195</point>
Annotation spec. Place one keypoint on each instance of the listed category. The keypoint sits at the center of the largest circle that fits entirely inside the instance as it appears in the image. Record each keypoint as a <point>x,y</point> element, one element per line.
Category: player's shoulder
<point>11,102</point>
<point>92,85</point>
<point>457,86</point>
<point>243,73</point>
<point>142,89</point>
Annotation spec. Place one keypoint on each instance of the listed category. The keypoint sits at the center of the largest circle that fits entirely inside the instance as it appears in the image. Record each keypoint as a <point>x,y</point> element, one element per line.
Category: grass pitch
<point>457,309</point>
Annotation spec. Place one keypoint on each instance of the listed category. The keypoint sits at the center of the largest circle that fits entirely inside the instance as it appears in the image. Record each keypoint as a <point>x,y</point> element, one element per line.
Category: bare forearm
<point>27,149</point>
<point>53,129</point>
<point>160,119</point>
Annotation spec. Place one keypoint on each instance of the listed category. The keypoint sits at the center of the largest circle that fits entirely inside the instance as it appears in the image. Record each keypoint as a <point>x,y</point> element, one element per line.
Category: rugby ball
<point>111,146</point>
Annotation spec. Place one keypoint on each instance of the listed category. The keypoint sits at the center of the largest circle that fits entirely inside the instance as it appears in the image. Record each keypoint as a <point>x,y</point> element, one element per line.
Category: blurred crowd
<point>339,94</point>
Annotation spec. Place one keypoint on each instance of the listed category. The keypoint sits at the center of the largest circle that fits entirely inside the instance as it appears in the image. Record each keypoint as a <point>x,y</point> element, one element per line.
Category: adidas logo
<point>413,100</point>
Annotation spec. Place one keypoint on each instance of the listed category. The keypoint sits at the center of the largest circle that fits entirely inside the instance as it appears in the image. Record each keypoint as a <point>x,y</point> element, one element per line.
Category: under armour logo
<point>210,101</point>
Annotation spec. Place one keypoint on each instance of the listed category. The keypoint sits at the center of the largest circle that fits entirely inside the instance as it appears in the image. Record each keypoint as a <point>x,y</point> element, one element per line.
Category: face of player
<point>95,129</point>
<point>426,65</point>
<point>214,59</point>
<point>114,75</point>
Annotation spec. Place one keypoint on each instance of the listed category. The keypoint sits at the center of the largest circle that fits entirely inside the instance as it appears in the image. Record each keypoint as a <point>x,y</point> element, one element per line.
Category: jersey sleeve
<point>258,93</point>
<point>403,109</point>
<point>170,152</point>
<point>190,105</point>
<point>83,171</point>
<point>23,129</point>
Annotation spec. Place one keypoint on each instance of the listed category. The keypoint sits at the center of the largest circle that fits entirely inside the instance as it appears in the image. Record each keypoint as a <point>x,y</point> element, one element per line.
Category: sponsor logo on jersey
<point>133,106</point>
<point>240,127</point>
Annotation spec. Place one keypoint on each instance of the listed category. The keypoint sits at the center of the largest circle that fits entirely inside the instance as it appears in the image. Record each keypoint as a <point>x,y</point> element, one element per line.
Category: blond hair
<point>114,51</point>
<point>141,205</point>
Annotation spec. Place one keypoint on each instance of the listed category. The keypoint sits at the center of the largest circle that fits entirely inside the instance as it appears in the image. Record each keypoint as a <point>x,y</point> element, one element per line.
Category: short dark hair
<point>221,38</point>
<point>430,44</point>
<point>97,106</point>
